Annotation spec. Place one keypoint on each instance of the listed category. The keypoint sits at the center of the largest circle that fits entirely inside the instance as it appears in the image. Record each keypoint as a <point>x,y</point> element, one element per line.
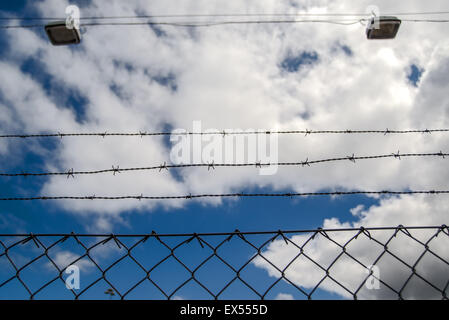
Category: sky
<point>234,77</point>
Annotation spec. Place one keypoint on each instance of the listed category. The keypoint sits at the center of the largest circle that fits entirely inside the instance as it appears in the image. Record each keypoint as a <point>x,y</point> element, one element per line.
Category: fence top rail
<point>236,232</point>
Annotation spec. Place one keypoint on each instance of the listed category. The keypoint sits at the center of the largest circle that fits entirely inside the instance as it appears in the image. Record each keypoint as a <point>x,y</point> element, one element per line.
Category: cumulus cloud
<point>229,77</point>
<point>349,271</point>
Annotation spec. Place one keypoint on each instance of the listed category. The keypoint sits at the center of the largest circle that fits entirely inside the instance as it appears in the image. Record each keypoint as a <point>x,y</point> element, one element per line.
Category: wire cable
<point>192,24</point>
<point>230,15</point>
<point>426,20</point>
<point>234,233</point>
<point>344,22</point>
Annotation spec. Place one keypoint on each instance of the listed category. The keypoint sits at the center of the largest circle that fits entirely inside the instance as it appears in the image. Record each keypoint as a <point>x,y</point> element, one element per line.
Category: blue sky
<point>244,214</point>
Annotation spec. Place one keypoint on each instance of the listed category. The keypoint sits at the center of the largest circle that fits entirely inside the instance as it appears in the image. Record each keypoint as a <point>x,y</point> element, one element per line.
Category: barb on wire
<point>140,197</point>
<point>114,170</point>
<point>352,158</point>
<point>325,258</point>
<point>162,167</point>
<point>305,163</point>
<point>397,155</point>
<point>222,133</point>
<point>213,165</point>
<point>70,174</point>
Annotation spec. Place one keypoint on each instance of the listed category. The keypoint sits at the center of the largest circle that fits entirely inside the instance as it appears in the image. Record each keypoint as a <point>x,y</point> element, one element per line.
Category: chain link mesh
<point>363,263</point>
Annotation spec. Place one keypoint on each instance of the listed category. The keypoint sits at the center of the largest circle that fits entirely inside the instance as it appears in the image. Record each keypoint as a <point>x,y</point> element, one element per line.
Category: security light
<point>59,34</point>
<point>382,28</point>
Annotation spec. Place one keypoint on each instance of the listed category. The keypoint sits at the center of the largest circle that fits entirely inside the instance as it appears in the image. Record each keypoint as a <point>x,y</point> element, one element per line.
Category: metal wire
<point>230,15</point>
<point>192,24</point>
<point>344,22</point>
<point>307,163</point>
<point>305,132</point>
<point>230,195</point>
<point>192,254</point>
<point>426,20</point>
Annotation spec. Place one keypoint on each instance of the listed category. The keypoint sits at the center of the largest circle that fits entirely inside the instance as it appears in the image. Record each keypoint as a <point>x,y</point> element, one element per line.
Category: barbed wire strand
<point>115,170</point>
<point>305,132</point>
<point>228,195</point>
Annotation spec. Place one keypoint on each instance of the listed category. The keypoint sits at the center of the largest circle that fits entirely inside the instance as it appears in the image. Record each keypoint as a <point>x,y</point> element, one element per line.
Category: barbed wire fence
<point>412,262</point>
<point>305,264</point>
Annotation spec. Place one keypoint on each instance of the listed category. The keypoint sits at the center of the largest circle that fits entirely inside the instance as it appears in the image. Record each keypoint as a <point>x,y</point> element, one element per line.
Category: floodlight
<point>382,28</point>
<point>59,34</point>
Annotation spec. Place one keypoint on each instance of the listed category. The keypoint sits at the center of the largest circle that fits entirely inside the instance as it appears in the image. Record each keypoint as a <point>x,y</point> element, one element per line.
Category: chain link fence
<point>354,263</point>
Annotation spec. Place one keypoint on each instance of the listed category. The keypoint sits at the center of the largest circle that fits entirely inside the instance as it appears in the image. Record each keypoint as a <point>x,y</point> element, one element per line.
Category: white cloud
<point>357,210</point>
<point>64,259</point>
<point>284,296</point>
<point>349,269</point>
